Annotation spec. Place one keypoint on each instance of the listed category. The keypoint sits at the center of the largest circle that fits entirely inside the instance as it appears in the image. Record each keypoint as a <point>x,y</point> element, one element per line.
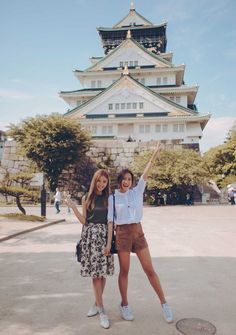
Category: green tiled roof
<point>131,27</point>
<point>84,89</point>
<point>143,18</point>
<point>138,45</point>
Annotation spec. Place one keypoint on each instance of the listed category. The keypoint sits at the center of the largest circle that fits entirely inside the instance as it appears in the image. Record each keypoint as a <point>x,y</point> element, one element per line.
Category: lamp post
<point>43,200</point>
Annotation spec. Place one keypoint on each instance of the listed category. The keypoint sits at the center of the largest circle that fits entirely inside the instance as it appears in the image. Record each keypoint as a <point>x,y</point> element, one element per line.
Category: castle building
<point>135,92</point>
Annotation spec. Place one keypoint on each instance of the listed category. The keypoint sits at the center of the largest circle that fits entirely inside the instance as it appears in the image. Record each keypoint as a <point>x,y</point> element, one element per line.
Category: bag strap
<point>114,215</point>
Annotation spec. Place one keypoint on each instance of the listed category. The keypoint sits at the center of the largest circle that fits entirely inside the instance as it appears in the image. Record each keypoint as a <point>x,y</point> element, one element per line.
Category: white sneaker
<point>93,311</point>
<point>168,315</point>
<point>104,322</point>
<point>126,313</point>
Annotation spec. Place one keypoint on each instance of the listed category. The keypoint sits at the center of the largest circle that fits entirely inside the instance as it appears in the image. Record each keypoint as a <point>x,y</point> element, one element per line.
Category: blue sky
<point>43,41</point>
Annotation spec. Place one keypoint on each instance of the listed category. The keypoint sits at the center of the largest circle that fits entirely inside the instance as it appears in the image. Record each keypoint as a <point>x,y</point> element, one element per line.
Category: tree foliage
<point>220,161</point>
<point>18,186</point>
<point>52,142</point>
<point>173,169</point>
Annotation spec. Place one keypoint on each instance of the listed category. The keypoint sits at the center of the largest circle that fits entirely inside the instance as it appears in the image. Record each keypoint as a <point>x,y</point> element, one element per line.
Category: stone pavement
<point>193,251</point>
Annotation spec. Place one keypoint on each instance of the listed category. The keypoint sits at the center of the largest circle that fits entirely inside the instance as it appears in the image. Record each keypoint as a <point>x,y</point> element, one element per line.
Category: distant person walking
<point>231,194</point>
<point>165,199</point>
<point>66,195</point>
<point>128,212</point>
<point>57,200</point>
<point>96,260</point>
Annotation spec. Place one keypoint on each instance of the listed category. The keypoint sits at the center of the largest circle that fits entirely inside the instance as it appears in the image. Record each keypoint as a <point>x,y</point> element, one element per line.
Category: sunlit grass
<point>22,217</point>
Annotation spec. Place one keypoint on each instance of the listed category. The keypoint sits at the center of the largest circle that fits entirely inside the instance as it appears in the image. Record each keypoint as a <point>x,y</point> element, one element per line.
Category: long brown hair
<point>90,201</point>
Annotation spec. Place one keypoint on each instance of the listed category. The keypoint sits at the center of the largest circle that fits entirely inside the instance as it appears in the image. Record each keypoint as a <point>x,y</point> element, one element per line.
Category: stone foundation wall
<point>119,153</point>
<point>12,160</point>
<point>116,154</point>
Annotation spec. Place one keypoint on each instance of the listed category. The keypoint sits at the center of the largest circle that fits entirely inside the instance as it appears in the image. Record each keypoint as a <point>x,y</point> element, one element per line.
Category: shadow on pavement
<point>43,293</point>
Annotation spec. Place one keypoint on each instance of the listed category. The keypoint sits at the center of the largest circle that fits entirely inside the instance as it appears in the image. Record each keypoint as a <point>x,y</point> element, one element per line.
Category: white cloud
<point>16,95</point>
<point>3,126</point>
<point>216,132</point>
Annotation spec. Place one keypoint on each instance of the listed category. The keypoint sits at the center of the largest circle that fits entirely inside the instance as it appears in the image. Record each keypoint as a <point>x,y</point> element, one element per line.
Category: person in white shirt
<point>130,237</point>
<point>57,200</point>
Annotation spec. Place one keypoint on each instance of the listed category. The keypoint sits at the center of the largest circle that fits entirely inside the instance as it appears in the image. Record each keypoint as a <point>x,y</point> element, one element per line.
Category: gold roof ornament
<point>126,71</point>
<point>128,34</point>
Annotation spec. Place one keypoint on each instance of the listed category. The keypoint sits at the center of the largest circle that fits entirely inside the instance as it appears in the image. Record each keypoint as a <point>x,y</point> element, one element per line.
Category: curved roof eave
<point>146,88</point>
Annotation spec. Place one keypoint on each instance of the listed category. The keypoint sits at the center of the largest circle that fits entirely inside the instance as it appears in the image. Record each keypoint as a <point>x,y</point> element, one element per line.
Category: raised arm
<point>72,205</point>
<point>158,148</point>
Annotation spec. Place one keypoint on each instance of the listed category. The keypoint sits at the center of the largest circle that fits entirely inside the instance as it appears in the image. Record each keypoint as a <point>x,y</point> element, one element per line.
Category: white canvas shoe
<point>93,311</point>
<point>167,313</point>
<point>104,322</point>
<point>126,313</point>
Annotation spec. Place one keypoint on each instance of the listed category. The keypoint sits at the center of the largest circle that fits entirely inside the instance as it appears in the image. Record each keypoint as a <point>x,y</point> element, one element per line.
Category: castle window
<point>158,128</point>
<point>128,105</point>
<point>121,64</point>
<point>107,130</point>
<point>135,63</point>
<point>144,128</point>
<point>94,130</point>
<point>141,129</point>
<point>99,83</point>
<point>131,63</point>
<point>134,105</point>
<point>126,63</point>
<point>175,128</point>
<point>178,100</point>
<point>123,106</point>
<point>178,128</point>
<point>93,84</point>
<point>141,105</point>
<point>110,107</point>
<point>164,128</point>
<point>181,127</point>
<point>142,81</point>
<point>117,106</point>
<point>158,81</point>
<point>165,81</point>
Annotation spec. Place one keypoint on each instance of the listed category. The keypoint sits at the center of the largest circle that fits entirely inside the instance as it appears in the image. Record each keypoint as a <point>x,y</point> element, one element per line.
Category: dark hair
<point>122,174</point>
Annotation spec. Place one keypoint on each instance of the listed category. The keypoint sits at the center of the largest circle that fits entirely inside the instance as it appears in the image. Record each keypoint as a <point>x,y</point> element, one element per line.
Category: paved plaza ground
<point>193,251</point>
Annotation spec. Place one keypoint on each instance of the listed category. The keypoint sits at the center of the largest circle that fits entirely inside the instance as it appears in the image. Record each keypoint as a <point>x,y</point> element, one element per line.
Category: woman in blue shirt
<point>130,236</point>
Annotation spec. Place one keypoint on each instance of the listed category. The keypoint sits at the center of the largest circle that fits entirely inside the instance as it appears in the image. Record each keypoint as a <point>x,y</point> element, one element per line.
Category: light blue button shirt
<point>129,205</point>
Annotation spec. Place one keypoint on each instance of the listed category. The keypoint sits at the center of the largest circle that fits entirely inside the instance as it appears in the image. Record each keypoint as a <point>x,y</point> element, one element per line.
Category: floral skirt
<point>93,261</point>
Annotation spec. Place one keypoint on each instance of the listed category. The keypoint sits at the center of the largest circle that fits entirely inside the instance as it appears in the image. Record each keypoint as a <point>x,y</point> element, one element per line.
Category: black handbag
<point>113,240</point>
<point>78,250</point>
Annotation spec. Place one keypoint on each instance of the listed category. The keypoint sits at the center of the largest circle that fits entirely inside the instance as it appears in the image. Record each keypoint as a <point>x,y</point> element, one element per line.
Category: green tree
<point>173,169</point>
<point>52,142</point>
<point>221,161</point>
<point>18,186</point>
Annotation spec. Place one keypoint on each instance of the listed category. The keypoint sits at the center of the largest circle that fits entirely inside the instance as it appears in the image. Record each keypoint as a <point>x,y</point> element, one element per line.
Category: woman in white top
<point>130,236</point>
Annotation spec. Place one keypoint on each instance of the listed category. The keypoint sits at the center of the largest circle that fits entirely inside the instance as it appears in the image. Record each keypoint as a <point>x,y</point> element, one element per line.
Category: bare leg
<point>103,283</point>
<point>146,262</point>
<point>124,260</point>
<point>98,287</point>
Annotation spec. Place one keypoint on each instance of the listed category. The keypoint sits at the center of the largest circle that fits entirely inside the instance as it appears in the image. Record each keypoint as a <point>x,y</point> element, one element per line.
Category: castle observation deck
<point>149,35</point>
